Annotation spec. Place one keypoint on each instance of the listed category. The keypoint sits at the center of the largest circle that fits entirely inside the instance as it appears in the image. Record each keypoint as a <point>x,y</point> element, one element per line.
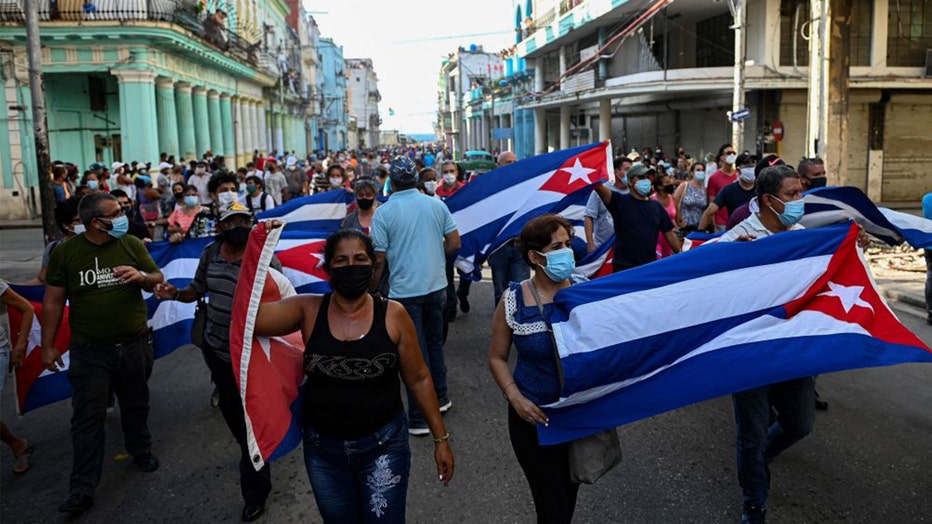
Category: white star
<point>850,296</point>
<point>578,172</point>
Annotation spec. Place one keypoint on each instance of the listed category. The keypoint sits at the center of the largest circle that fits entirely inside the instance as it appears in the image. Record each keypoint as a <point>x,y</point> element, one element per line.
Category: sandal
<point>22,462</point>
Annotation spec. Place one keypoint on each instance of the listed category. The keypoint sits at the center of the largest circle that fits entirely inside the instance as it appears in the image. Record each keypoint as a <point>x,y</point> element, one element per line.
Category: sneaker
<point>464,302</point>
<point>146,462</point>
<point>444,407</point>
<point>419,431</point>
<point>76,504</point>
<point>753,515</point>
<point>252,512</point>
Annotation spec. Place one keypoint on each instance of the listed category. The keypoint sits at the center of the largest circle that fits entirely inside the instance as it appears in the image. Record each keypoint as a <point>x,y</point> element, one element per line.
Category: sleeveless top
<point>535,371</point>
<point>354,386</point>
<point>663,247</point>
<point>694,202</point>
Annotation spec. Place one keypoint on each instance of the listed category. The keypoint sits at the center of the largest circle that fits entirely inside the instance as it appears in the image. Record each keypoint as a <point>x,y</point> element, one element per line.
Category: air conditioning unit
<point>928,72</point>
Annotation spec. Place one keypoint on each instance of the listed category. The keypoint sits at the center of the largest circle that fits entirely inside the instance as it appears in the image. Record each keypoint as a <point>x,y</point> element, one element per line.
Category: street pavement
<point>868,460</point>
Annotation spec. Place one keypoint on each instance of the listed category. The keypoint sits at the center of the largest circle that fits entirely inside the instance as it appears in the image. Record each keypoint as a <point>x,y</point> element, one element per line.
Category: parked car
<point>477,162</point>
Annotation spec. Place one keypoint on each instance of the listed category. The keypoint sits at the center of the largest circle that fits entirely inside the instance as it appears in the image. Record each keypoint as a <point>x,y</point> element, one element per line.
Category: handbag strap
<point>553,339</point>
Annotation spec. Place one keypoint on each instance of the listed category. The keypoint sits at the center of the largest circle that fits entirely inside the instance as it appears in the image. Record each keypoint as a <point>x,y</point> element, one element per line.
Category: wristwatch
<point>144,275</point>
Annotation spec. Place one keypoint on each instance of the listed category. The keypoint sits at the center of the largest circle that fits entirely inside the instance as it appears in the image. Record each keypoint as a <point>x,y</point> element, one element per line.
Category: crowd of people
<point>394,293</point>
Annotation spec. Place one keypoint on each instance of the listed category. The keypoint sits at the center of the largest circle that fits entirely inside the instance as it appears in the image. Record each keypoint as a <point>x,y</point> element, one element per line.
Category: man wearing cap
<point>102,269</point>
<point>201,179</point>
<point>638,220</point>
<point>734,195</point>
<point>724,175</point>
<point>415,233</point>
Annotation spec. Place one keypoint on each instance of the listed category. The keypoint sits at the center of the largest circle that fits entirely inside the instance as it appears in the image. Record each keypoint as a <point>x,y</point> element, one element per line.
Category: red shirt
<point>717,181</point>
<point>443,192</point>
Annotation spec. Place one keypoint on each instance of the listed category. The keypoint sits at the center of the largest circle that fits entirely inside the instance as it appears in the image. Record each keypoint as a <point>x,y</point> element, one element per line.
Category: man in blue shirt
<point>927,214</point>
<point>415,233</point>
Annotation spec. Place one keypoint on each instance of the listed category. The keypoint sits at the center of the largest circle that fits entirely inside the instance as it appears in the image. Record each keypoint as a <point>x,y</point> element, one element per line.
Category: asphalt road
<point>869,458</point>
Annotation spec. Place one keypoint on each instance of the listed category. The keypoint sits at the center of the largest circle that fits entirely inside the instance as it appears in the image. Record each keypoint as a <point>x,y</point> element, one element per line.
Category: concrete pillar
<point>249,136</point>
<point>540,131</point>
<point>201,120</point>
<point>226,120</point>
<point>184,108</point>
<point>538,76</point>
<point>605,119</point>
<point>279,143</point>
<point>216,125</point>
<point>287,133</point>
<point>138,122</point>
<point>879,35</point>
<point>564,126</point>
<point>167,116</point>
<point>262,118</point>
<point>238,131</point>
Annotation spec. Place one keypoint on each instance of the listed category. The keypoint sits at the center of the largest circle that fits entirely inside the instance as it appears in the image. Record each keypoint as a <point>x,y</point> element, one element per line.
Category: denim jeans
<point>362,480</point>
<point>507,266</point>
<point>757,445</point>
<point>427,313</point>
<point>94,370</point>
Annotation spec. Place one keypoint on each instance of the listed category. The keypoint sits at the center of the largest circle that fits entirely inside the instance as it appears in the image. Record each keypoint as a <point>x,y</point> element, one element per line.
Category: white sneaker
<point>419,432</point>
<point>446,407</point>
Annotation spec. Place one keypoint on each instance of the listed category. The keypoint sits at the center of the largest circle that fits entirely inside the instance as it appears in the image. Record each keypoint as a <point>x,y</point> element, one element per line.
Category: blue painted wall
<point>334,95</point>
<point>72,123</point>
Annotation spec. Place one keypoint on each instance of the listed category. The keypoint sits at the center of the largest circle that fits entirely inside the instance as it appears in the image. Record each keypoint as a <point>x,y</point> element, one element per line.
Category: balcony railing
<point>184,13</point>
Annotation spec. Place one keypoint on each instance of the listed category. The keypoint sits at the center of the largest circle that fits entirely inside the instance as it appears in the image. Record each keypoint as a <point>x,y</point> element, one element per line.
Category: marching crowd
<point>394,292</point>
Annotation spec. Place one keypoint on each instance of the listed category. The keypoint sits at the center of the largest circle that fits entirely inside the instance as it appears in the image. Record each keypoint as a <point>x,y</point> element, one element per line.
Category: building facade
<point>333,134</point>
<point>467,78</point>
<point>362,94</point>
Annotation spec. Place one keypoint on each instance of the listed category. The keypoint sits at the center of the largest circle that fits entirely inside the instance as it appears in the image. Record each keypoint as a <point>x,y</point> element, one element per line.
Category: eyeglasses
<point>118,215</point>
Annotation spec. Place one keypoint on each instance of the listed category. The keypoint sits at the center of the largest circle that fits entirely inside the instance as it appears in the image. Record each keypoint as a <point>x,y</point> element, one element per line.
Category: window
<point>715,41</point>
<point>909,32</point>
<point>794,24</point>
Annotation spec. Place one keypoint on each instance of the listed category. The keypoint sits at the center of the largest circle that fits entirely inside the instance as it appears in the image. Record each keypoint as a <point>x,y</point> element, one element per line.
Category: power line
<point>449,37</point>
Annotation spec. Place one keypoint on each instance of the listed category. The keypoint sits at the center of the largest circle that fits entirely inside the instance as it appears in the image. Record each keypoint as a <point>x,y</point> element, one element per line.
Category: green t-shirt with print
<point>102,309</point>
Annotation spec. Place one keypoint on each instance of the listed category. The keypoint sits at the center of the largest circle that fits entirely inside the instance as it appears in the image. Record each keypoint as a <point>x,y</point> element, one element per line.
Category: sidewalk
<point>20,224</point>
<point>902,281</point>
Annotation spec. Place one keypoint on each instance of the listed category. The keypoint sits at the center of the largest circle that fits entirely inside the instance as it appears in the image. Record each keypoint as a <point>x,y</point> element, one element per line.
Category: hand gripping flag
<point>492,209</point>
<point>829,205</point>
<point>747,314</point>
<point>269,371</point>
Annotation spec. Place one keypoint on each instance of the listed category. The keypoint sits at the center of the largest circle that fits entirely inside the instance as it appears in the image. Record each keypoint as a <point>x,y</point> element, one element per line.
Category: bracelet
<point>177,294</point>
<point>504,389</point>
<point>443,438</point>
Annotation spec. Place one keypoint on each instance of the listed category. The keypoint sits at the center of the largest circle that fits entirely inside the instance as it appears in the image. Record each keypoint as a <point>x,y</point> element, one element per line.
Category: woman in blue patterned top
<point>545,244</point>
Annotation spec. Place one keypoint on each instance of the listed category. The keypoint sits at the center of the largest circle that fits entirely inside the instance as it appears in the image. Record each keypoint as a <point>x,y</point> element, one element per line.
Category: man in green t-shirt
<point>101,271</point>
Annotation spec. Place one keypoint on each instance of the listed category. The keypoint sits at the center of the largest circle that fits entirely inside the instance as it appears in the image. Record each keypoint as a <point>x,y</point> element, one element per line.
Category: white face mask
<point>449,179</point>
<point>227,197</point>
<point>79,228</point>
<point>334,182</point>
<point>730,159</point>
<point>430,186</point>
<point>200,170</point>
<point>747,174</point>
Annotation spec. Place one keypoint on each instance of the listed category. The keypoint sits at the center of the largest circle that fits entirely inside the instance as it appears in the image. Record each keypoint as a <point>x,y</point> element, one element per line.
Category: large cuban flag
<point>269,371</point>
<point>318,212</point>
<point>829,205</point>
<point>742,315</point>
<point>492,209</point>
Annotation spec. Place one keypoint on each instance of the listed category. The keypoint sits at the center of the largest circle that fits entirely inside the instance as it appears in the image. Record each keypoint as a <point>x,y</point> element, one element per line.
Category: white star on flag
<point>578,172</point>
<point>849,296</point>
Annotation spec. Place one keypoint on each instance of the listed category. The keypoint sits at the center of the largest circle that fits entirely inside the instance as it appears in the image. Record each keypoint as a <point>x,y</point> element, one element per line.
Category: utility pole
<point>819,49</point>
<point>739,12</point>
<point>836,146</point>
<point>39,121</point>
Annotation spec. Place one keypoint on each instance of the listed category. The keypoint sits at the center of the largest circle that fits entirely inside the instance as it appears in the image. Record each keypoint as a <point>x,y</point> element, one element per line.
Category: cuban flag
<point>319,212</point>
<point>36,386</point>
<point>269,371</point>
<point>696,239</point>
<point>301,253</point>
<point>748,314</point>
<point>492,209</point>
<point>598,263</point>
<point>829,205</point>
<point>170,320</point>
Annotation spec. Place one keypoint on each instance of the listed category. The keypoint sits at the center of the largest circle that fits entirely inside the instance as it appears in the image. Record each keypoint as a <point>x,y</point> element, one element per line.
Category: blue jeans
<point>427,313</point>
<point>757,445</point>
<point>362,480</point>
<point>507,266</point>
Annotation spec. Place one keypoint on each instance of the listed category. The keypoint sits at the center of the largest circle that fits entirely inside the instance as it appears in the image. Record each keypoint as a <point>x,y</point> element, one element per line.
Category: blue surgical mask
<point>792,212</point>
<point>190,200</point>
<point>560,264</point>
<point>119,226</point>
<point>699,175</point>
<point>643,187</point>
<point>93,185</point>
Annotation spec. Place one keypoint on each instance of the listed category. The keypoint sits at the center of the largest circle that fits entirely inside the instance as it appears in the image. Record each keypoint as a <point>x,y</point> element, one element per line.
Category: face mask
<point>560,264</point>
<point>818,182</point>
<point>237,236</point>
<point>730,159</point>
<point>92,185</point>
<point>642,187</point>
<point>119,226</point>
<point>227,197</point>
<point>747,174</point>
<point>669,189</point>
<point>364,161</point>
<point>792,211</point>
<point>336,182</point>
<point>430,187</point>
<point>250,188</point>
<point>351,282</point>
<point>449,179</point>
<point>200,171</point>
<point>365,203</point>
<point>78,229</point>
<point>699,175</point>
<point>340,159</point>
<point>624,180</point>
<point>190,200</point>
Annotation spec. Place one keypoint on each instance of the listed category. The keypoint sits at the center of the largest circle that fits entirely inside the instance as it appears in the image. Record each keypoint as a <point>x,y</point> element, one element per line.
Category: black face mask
<point>237,236</point>
<point>818,182</point>
<point>669,189</point>
<point>365,203</point>
<point>351,282</point>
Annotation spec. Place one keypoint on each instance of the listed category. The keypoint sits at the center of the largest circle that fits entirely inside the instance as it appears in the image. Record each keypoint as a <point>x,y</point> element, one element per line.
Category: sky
<point>407,41</point>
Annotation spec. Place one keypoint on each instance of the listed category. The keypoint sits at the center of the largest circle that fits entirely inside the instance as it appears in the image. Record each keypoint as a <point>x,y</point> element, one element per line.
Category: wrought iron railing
<point>545,19</point>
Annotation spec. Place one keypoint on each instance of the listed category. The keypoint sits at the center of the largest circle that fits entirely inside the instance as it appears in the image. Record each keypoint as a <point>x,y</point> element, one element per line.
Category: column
<point>564,126</point>
<point>167,116</point>
<point>213,117</point>
<point>138,122</point>
<point>201,121</point>
<point>249,137</point>
<point>605,119</point>
<point>226,122</point>
<point>262,117</point>
<point>287,133</point>
<point>184,108</point>
<point>279,133</point>
<point>540,130</point>
<point>241,156</point>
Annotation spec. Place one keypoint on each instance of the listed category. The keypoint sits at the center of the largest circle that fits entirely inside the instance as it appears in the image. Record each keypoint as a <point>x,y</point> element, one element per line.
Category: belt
<point>139,335</point>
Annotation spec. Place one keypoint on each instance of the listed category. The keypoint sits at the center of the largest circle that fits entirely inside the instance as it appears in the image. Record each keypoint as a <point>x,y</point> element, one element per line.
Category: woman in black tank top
<point>358,348</point>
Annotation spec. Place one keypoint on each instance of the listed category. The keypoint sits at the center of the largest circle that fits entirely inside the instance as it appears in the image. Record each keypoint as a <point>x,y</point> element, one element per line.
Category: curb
<point>907,303</point>
<point>20,225</point>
